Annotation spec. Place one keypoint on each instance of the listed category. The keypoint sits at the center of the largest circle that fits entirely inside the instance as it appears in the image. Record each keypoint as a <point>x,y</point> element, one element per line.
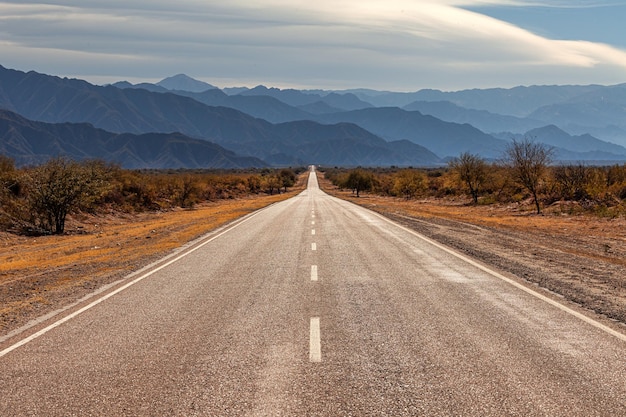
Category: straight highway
<point>316,307</point>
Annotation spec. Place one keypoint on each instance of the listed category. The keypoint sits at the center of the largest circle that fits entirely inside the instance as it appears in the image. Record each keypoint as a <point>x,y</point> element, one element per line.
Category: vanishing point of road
<point>315,307</point>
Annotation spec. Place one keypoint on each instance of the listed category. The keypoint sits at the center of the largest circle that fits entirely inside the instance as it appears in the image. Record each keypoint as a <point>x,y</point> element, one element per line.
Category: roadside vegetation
<point>37,200</point>
<point>67,228</point>
<point>526,178</point>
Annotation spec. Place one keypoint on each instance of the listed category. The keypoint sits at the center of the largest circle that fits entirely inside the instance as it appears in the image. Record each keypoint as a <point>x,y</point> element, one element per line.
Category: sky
<point>396,45</point>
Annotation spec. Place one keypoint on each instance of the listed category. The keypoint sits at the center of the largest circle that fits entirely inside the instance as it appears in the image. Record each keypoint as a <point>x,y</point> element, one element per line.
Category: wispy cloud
<point>397,44</point>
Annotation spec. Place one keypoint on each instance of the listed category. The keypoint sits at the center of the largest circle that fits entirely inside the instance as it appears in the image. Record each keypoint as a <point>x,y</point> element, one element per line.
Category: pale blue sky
<point>399,45</point>
<point>596,21</point>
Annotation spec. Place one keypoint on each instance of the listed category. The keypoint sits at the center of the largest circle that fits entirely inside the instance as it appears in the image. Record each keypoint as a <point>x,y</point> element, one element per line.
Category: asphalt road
<point>316,307</point>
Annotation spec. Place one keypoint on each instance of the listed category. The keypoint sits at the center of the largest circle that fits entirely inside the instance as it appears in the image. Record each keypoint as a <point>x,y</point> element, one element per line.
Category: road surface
<point>315,307</point>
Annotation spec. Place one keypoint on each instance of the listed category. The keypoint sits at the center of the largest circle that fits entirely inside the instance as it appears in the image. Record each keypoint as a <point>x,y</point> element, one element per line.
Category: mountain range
<point>30,142</point>
<point>182,122</point>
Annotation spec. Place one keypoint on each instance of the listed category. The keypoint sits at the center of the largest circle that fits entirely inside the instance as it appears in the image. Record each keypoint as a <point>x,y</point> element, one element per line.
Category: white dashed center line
<point>315,347</point>
<point>313,246</point>
<point>313,272</point>
<point>313,231</point>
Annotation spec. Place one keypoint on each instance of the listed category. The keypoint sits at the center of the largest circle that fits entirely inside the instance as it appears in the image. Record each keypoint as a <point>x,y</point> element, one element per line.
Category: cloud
<point>396,44</point>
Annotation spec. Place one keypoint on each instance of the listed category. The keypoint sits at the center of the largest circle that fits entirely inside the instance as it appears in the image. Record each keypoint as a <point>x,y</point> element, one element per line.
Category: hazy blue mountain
<point>570,148</point>
<point>518,101</point>
<point>319,107</point>
<point>137,111</point>
<point>387,98</point>
<point>553,136</point>
<point>602,107</point>
<point>612,133</point>
<point>596,110</point>
<point>338,144</point>
<point>231,91</point>
<point>182,82</point>
<point>298,98</point>
<point>289,96</point>
<point>179,83</point>
<point>283,126</point>
<point>442,138</point>
<point>146,86</point>
<point>52,99</point>
<point>263,107</point>
<point>592,109</point>
<point>30,142</point>
<point>415,154</point>
<point>486,121</point>
<point>345,101</point>
<point>565,156</point>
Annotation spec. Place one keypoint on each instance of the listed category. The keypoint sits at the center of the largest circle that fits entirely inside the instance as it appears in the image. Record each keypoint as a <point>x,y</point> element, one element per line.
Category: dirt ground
<point>581,258</point>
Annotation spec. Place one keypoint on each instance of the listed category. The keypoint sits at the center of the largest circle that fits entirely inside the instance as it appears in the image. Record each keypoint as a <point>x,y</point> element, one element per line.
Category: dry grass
<point>39,274</point>
<point>554,222</point>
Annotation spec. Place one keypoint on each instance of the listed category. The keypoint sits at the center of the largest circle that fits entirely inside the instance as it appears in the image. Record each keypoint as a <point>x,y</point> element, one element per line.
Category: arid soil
<point>580,258</point>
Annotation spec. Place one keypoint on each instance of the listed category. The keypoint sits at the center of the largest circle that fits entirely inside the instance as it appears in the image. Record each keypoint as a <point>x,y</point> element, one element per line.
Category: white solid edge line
<point>315,345</point>
<point>542,297</point>
<point>122,288</point>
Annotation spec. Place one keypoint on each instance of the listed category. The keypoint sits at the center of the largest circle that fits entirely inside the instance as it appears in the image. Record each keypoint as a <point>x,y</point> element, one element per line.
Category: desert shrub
<point>571,181</point>
<point>472,173</point>
<point>186,189</point>
<point>271,183</point>
<point>10,191</point>
<point>9,178</point>
<point>384,184</point>
<point>253,183</point>
<point>359,180</point>
<point>500,185</point>
<point>133,191</point>
<point>61,186</point>
<point>287,178</point>
<point>616,181</point>
<point>408,183</point>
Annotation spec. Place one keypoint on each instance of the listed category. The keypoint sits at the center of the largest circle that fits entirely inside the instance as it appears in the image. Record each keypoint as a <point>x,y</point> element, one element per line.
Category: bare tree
<point>472,171</point>
<point>529,161</point>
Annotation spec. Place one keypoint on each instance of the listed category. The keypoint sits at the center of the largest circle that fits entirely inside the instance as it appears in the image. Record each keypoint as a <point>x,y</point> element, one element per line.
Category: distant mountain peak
<point>183,82</point>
